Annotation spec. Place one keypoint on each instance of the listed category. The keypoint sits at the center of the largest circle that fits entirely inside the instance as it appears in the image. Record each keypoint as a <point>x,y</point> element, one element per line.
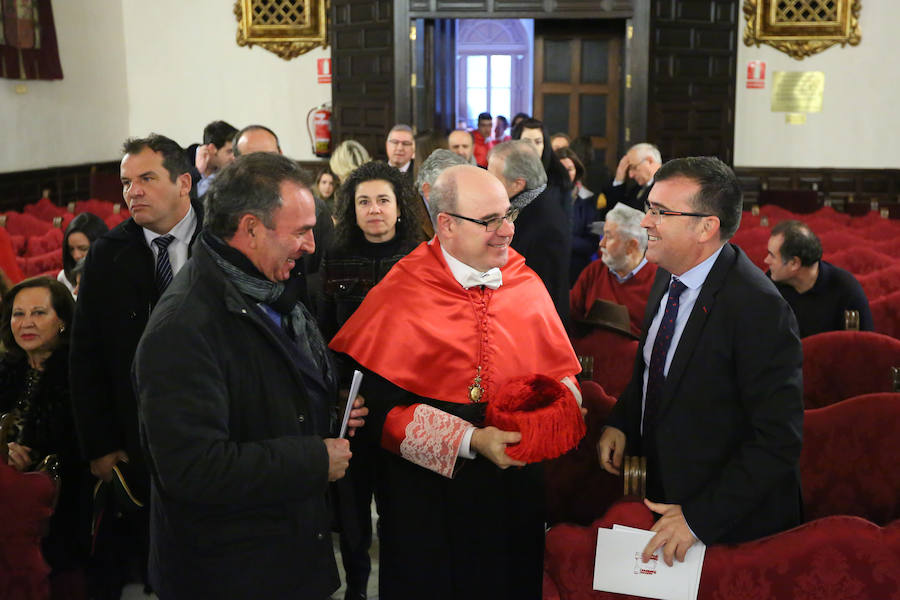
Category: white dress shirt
<point>178,249</point>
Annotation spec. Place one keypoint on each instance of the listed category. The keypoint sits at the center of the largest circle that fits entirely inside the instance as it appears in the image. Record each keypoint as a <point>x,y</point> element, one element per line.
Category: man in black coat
<point>715,400</point>
<point>543,230</point>
<point>238,430</point>
<point>119,289</point>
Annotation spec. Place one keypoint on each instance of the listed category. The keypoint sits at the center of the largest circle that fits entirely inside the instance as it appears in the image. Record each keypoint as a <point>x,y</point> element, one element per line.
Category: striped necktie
<point>163,266</point>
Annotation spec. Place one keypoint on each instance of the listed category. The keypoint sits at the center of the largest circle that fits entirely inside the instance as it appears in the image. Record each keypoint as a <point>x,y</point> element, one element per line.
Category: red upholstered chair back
<point>754,242</point>
<point>834,558</point>
<point>860,259</point>
<point>837,240</point>
<point>23,224</point>
<point>841,364</point>
<point>44,209</point>
<point>26,504</point>
<point>578,490</point>
<point>881,282</point>
<point>8,256</point>
<point>613,354</point>
<point>886,314</point>
<point>850,464</point>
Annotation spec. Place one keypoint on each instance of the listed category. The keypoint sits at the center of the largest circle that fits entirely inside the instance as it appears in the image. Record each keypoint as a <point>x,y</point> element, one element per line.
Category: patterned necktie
<point>163,266</point>
<point>656,377</point>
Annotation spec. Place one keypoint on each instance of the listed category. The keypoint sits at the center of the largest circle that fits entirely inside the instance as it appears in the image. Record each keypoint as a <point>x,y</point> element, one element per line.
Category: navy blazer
<point>730,418</point>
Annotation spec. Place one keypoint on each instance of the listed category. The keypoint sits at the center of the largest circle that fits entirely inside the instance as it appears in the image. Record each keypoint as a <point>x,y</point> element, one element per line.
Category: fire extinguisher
<point>318,125</point>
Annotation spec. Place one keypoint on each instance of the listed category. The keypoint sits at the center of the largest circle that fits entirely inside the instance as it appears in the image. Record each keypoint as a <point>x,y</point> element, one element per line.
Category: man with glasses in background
<point>640,163</point>
<point>715,402</point>
<point>401,148</point>
<point>437,338</point>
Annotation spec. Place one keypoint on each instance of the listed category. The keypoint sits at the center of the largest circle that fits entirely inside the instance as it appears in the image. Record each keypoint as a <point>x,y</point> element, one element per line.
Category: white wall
<point>83,117</point>
<point>860,121</point>
<point>169,66</point>
<point>185,69</point>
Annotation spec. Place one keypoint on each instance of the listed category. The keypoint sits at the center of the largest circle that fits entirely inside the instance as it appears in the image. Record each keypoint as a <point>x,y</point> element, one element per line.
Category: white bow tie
<point>492,279</point>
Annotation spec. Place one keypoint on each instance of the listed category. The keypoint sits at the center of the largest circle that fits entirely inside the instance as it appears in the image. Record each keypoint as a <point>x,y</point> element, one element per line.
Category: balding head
<point>466,192</point>
<point>256,138</point>
<point>460,142</point>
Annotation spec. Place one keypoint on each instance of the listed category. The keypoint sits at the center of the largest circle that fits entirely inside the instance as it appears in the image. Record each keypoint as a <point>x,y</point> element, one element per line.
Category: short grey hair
<point>628,221</point>
<point>250,185</point>
<point>520,160</point>
<point>444,194</point>
<point>432,166</point>
<point>401,127</point>
<point>644,150</point>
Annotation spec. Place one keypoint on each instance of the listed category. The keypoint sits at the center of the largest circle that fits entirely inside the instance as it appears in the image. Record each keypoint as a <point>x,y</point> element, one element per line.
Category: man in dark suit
<point>640,163</point>
<point>400,146</point>
<point>715,399</point>
<point>543,232</point>
<point>125,273</point>
<point>238,431</point>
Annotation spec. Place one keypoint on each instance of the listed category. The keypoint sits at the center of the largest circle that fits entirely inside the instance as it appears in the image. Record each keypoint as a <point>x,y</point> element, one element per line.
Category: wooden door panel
<point>577,87</point>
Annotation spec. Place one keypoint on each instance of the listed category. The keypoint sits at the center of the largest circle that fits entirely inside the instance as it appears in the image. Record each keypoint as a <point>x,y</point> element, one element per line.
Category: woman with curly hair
<point>376,227</point>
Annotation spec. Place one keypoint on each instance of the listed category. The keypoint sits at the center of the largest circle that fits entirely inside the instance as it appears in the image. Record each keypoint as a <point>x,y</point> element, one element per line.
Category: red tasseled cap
<point>543,410</point>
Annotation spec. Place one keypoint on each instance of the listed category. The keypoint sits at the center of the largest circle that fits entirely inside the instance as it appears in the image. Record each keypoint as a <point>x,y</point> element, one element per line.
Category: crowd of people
<point>191,395</point>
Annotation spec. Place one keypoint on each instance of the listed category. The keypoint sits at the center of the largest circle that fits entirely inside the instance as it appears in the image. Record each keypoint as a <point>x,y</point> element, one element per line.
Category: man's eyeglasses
<point>404,143</point>
<point>494,224</point>
<point>657,213</point>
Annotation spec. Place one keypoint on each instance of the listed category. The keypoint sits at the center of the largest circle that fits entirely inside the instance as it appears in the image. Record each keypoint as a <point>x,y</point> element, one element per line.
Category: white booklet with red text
<point>618,567</point>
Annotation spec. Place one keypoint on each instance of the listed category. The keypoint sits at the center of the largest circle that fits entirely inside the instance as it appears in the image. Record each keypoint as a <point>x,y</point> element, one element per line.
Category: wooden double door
<point>578,86</point>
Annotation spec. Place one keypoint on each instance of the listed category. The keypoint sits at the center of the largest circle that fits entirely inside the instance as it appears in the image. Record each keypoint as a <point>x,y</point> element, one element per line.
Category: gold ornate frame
<point>801,28</point>
<point>287,28</point>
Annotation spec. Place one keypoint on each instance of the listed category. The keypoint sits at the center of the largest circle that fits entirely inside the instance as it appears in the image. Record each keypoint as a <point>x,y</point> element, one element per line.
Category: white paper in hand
<point>354,389</point>
<point>618,567</point>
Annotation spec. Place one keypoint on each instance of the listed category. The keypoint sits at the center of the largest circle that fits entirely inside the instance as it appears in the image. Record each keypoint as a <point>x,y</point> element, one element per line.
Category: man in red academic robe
<point>437,338</point>
<point>622,275</point>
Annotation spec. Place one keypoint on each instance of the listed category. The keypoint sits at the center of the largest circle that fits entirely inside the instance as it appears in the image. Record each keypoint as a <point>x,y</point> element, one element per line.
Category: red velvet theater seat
<point>882,282</point>
<point>754,242</point>
<point>886,314</point>
<point>834,558</point>
<point>841,364</point>
<point>26,501</point>
<point>860,259</point>
<point>850,463</point>
<point>613,355</point>
<point>577,489</point>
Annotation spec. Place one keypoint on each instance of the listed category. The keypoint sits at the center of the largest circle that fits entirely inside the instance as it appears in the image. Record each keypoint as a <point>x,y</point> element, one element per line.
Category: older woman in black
<point>376,227</point>
<point>35,320</point>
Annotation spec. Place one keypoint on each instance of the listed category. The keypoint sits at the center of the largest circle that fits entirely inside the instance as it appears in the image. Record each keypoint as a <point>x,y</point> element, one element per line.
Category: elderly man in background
<point>640,163</point>
<point>238,431</point>
<point>543,232</point>
<point>819,293</point>
<point>622,275</point>
<point>467,315</point>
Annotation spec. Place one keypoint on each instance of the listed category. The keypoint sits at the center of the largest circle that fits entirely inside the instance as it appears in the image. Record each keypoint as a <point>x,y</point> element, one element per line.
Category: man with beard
<point>622,275</point>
